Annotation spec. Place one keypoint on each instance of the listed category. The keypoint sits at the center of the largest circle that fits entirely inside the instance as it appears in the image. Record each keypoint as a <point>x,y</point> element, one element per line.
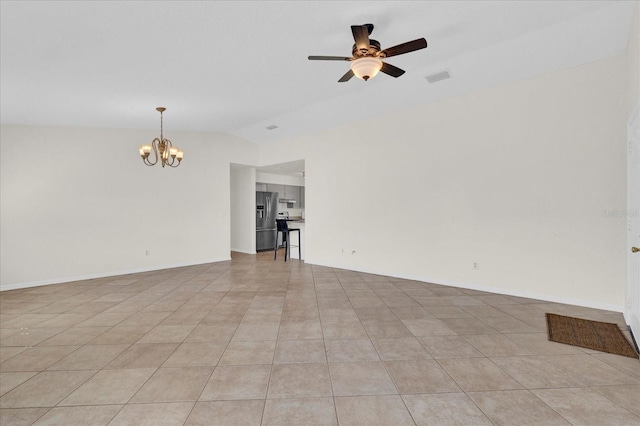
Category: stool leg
<point>299,247</point>
<point>275,247</point>
<point>286,247</point>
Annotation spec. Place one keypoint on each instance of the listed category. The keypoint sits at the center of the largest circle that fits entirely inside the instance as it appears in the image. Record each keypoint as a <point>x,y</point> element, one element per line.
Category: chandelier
<point>162,148</point>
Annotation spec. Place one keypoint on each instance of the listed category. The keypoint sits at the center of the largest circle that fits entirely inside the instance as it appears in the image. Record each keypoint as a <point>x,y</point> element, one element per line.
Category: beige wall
<point>515,178</point>
<point>78,202</point>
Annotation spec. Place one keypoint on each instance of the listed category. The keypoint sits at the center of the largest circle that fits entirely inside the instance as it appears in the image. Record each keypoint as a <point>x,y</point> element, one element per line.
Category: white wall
<point>633,61</point>
<point>243,208</point>
<point>515,178</point>
<point>263,177</point>
<point>78,202</point>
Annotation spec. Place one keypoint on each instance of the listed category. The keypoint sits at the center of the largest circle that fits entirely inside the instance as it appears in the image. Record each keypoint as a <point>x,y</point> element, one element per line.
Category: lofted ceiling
<point>241,66</point>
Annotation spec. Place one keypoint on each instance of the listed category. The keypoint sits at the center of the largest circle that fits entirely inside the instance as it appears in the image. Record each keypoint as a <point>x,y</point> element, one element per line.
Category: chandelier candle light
<point>168,154</point>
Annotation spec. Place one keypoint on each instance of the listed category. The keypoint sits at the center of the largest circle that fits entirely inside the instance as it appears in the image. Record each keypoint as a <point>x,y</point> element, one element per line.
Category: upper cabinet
<point>293,193</point>
<point>272,187</point>
<point>261,187</point>
<point>287,192</point>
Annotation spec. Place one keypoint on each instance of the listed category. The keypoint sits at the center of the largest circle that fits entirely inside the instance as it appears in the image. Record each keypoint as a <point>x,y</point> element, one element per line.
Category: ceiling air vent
<point>273,126</point>
<point>439,76</point>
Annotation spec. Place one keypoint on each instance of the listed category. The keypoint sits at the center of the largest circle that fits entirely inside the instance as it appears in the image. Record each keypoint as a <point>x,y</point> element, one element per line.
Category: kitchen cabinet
<point>285,191</point>
<point>272,187</point>
<point>261,187</point>
<point>293,193</point>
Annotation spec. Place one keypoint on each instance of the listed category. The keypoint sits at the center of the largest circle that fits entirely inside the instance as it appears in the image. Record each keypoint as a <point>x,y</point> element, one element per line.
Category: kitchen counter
<point>295,219</point>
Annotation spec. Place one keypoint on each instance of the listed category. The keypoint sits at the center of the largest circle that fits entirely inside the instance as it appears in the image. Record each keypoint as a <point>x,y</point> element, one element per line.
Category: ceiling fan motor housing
<point>373,50</point>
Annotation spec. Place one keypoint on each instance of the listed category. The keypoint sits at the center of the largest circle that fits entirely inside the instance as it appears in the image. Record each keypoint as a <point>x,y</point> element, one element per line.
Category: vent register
<point>439,76</point>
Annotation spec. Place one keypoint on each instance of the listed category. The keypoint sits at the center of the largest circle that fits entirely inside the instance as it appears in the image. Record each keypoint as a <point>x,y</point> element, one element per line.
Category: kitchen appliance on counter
<point>266,213</point>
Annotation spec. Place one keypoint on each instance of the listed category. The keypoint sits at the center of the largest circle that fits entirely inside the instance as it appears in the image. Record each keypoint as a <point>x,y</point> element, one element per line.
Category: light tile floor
<point>261,342</point>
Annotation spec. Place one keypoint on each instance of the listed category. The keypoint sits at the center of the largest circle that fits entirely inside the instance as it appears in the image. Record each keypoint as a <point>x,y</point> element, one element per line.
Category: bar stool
<point>284,228</point>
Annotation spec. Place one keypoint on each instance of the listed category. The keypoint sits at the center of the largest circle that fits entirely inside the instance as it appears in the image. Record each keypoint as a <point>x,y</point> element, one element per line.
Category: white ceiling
<point>240,66</point>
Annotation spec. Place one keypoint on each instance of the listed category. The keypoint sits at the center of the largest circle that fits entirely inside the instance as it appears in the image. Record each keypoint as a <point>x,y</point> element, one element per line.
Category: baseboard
<point>470,286</point>
<point>633,339</point>
<point>243,251</point>
<point>17,286</point>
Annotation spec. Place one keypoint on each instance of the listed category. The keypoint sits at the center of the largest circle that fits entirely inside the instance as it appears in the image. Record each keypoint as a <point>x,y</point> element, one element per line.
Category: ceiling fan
<point>367,56</point>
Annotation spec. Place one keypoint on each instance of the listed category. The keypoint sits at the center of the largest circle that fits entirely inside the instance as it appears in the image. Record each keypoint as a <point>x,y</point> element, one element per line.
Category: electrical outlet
<point>476,265</point>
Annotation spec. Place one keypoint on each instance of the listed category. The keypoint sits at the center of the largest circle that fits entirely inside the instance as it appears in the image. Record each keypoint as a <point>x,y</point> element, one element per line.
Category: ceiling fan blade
<point>391,70</point>
<point>346,77</point>
<point>329,58</point>
<point>361,36</point>
<point>407,47</point>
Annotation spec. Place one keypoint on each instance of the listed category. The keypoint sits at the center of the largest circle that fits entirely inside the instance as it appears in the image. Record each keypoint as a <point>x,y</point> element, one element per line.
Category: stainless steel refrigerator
<point>266,212</point>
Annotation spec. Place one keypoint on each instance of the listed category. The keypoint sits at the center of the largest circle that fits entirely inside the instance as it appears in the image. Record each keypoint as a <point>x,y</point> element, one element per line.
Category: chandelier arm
<point>164,151</point>
<point>170,159</point>
<point>155,144</point>
<point>154,147</point>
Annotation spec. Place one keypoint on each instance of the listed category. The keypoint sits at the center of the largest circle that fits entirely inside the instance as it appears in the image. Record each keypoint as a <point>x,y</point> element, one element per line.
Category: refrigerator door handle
<point>268,203</point>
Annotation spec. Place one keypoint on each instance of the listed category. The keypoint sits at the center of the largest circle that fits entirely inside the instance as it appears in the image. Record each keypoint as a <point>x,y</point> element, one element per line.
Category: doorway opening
<point>287,179</point>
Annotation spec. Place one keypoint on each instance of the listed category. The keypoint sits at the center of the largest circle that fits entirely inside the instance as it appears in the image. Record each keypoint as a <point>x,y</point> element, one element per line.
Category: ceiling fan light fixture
<point>366,68</point>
